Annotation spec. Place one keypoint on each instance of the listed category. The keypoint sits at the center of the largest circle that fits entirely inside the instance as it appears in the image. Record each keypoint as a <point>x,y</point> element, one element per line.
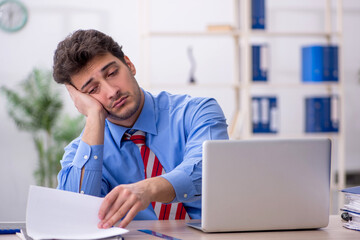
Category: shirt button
<point>95,157</point>
<point>82,192</point>
<point>185,195</point>
<point>86,157</point>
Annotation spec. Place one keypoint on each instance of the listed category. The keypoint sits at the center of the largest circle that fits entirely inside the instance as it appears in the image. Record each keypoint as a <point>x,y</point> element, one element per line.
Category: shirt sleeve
<point>79,154</point>
<point>204,120</point>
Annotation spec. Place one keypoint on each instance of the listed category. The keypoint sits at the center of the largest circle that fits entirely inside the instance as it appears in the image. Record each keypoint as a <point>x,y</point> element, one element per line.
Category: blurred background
<point>173,49</point>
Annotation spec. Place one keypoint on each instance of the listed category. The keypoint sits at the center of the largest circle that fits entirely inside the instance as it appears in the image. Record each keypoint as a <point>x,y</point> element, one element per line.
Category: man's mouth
<point>118,103</point>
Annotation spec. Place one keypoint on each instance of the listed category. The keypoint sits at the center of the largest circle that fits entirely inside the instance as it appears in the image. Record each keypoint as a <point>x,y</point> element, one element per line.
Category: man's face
<point>112,83</point>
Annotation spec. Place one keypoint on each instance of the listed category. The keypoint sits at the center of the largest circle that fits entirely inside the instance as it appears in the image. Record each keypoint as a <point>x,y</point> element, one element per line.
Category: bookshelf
<point>242,37</point>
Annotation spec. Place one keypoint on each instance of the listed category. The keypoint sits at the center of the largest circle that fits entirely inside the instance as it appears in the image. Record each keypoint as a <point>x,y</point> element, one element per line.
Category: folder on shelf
<point>334,70</point>
<point>258,14</point>
<point>264,115</point>
<point>320,63</point>
<point>327,62</point>
<point>321,114</point>
<point>260,66</point>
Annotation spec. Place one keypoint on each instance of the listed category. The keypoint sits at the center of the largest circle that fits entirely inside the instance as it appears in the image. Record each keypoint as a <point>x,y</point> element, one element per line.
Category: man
<point>107,159</point>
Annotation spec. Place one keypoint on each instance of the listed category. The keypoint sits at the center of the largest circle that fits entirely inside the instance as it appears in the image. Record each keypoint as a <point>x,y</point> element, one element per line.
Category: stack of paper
<point>57,214</point>
<point>351,209</point>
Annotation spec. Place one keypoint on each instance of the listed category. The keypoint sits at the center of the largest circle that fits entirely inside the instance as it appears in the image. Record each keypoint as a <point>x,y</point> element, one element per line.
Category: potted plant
<point>37,107</point>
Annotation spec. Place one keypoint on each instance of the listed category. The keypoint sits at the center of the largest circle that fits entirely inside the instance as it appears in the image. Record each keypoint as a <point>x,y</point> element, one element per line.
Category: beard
<point>130,111</point>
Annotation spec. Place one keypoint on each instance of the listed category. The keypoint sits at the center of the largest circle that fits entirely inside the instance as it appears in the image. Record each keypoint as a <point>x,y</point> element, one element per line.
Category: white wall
<point>50,21</point>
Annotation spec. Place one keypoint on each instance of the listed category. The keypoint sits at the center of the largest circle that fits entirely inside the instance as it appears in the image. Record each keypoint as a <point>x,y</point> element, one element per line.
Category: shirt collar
<point>146,121</point>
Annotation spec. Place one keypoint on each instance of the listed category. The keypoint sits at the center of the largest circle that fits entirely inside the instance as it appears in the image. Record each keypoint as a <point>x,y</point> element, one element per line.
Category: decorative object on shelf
<point>322,114</point>
<point>192,65</point>
<point>320,63</point>
<point>264,114</point>
<point>258,19</point>
<point>260,66</point>
<point>13,15</point>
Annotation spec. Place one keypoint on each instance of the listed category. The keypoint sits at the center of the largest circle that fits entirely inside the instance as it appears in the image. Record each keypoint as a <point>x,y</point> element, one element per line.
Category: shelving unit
<point>242,35</point>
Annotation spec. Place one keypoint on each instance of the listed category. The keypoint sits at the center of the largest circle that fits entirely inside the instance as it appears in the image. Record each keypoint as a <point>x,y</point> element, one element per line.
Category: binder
<point>320,63</point>
<point>264,114</point>
<point>258,14</point>
<point>312,64</point>
<point>351,208</point>
<point>260,63</point>
<point>352,190</point>
<point>334,71</point>
<point>331,63</point>
<point>255,114</point>
<point>327,62</point>
<point>322,114</point>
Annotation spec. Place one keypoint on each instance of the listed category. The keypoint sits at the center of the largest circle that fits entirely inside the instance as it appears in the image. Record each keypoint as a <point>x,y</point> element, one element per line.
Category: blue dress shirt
<point>175,126</point>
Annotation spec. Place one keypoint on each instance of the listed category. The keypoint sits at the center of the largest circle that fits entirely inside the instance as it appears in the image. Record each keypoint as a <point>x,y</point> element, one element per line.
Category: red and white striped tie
<point>153,168</point>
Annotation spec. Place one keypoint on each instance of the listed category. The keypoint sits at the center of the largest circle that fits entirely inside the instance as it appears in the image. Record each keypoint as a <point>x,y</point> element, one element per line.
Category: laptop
<point>260,185</point>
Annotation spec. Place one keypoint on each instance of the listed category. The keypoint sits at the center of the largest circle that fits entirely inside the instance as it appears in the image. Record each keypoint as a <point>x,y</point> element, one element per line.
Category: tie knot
<point>137,137</point>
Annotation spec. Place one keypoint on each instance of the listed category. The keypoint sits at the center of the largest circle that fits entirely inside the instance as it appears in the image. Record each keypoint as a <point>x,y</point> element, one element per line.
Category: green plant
<point>36,107</point>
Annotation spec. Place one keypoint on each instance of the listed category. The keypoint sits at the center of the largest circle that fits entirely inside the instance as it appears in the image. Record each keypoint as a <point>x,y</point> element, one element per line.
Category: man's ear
<point>130,65</point>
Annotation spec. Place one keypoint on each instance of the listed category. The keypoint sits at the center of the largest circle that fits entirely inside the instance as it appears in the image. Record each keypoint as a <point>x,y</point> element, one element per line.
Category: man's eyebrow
<point>108,65</point>
<point>102,70</point>
<point>87,83</point>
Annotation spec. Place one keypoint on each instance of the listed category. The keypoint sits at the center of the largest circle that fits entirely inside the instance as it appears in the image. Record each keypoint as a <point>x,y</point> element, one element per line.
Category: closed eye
<point>113,73</point>
<point>92,90</point>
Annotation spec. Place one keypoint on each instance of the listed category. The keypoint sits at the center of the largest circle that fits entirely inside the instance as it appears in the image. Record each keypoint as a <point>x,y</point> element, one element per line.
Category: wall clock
<point>13,15</point>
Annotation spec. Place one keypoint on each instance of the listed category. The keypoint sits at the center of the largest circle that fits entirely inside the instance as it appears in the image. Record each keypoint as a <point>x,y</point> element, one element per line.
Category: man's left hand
<point>128,199</point>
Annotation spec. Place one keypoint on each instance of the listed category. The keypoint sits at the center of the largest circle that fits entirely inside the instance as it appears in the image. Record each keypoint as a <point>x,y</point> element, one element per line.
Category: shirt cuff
<point>183,185</point>
<point>92,156</point>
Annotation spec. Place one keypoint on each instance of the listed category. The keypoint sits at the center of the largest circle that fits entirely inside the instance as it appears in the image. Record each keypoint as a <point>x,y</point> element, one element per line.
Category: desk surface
<point>178,229</point>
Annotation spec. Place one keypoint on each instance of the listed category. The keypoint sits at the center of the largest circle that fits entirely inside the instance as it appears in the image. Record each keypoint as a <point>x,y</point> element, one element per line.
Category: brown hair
<point>77,49</point>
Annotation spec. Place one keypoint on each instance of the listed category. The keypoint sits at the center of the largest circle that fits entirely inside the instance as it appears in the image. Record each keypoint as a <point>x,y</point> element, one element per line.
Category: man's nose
<point>111,91</point>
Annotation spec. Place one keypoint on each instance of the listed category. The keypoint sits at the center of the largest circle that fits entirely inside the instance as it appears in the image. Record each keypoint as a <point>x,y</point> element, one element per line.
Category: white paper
<point>57,214</point>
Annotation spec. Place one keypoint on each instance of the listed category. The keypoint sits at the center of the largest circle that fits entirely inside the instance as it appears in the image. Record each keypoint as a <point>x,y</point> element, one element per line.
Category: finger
<point>115,207</point>
<point>71,90</point>
<point>130,215</point>
<point>121,212</point>
<point>106,203</point>
<point>69,87</point>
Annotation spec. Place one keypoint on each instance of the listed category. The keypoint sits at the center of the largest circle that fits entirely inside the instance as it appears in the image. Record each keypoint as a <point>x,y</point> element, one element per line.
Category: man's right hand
<point>85,104</point>
<point>95,113</point>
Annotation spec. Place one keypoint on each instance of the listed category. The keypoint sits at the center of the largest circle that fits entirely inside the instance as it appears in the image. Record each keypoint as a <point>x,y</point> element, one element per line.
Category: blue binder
<point>320,63</point>
<point>334,57</point>
<point>258,14</point>
<point>352,196</point>
<point>352,190</point>
<point>259,70</point>
<point>327,63</point>
<point>264,114</point>
<point>319,116</point>
<point>351,208</point>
